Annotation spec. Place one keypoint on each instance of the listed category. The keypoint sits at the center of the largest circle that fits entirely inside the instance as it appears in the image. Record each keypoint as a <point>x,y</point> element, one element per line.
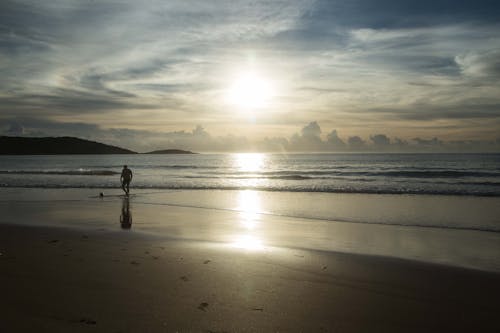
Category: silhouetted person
<point>126,177</point>
<point>126,215</point>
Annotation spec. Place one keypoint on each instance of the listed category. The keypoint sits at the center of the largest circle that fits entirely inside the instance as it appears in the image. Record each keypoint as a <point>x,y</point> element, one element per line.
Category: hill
<point>171,151</point>
<point>10,145</point>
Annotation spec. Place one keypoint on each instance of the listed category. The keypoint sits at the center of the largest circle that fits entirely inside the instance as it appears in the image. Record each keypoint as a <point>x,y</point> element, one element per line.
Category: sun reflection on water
<point>249,162</point>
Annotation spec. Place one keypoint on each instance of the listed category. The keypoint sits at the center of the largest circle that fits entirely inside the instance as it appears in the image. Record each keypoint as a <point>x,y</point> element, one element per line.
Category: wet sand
<point>59,280</point>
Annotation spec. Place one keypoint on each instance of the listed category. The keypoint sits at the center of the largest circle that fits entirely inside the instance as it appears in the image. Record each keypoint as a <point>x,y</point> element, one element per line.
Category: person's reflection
<point>126,215</point>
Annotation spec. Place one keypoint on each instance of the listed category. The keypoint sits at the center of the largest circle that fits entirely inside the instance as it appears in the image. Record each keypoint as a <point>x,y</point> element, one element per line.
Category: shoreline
<point>241,217</point>
<point>446,211</point>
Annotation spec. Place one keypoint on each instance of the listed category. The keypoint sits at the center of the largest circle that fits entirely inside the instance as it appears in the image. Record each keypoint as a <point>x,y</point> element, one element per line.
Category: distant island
<point>15,145</point>
<point>10,145</point>
<point>171,151</point>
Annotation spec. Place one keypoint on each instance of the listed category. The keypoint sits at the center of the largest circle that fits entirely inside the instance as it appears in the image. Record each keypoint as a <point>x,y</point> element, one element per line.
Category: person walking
<point>126,178</point>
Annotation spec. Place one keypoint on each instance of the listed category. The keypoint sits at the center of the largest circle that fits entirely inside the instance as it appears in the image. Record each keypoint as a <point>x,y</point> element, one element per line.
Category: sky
<point>230,75</point>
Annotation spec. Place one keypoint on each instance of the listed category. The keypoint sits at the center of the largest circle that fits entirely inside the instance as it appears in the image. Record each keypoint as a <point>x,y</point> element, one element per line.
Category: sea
<point>436,174</point>
<point>439,208</point>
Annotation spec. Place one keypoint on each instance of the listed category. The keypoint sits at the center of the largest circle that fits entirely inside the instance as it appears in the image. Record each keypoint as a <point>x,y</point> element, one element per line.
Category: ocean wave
<point>249,176</point>
<point>435,174</point>
<point>334,173</point>
<point>189,166</point>
<point>61,172</point>
<point>305,189</point>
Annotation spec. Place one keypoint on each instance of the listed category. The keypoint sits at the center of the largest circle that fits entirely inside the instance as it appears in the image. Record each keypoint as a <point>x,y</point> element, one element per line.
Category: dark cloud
<point>97,83</point>
<point>42,127</point>
<point>276,144</point>
<point>311,131</point>
<point>308,140</point>
<point>380,140</point>
<point>67,103</point>
<point>334,141</point>
<point>400,142</point>
<point>469,109</point>
<point>355,142</point>
<point>14,129</point>
<point>428,142</point>
<point>400,13</point>
<point>397,60</point>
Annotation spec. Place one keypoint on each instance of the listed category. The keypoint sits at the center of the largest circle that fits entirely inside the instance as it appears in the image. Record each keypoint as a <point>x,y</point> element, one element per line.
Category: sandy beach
<point>202,275</point>
<point>61,280</point>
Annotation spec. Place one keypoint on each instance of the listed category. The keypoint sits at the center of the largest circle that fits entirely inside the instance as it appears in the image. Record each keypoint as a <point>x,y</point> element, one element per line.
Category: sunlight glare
<point>250,91</point>
<point>249,162</point>
<point>249,207</point>
<point>248,243</point>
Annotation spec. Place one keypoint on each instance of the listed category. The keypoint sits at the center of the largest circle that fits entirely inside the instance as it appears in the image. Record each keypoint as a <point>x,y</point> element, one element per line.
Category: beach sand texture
<point>192,278</point>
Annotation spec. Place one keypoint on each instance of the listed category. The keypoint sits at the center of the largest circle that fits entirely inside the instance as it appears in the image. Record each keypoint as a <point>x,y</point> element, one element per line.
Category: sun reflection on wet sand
<point>248,242</point>
<point>249,208</point>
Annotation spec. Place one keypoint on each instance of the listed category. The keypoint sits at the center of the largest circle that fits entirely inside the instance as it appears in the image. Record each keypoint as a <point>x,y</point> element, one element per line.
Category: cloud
<point>276,144</point>
<point>400,142</point>
<point>355,142</point>
<point>401,13</point>
<point>380,140</point>
<point>200,140</point>
<point>308,140</point>
<point>130,64</point>
<point>470,109</point>
<point>334,141</point>
<point>483,65</point>
<point>14,129</point>
<point>110,55</point>
<point>428,142</point>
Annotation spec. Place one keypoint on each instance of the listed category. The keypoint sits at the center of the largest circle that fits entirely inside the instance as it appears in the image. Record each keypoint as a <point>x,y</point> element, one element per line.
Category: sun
<point>250,91</point>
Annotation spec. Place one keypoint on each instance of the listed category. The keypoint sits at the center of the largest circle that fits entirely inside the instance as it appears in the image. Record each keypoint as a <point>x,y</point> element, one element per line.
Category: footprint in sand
<point>88,321</point>
<point>203,306</point>
<point>206,262</point>
<point>184,278</point>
